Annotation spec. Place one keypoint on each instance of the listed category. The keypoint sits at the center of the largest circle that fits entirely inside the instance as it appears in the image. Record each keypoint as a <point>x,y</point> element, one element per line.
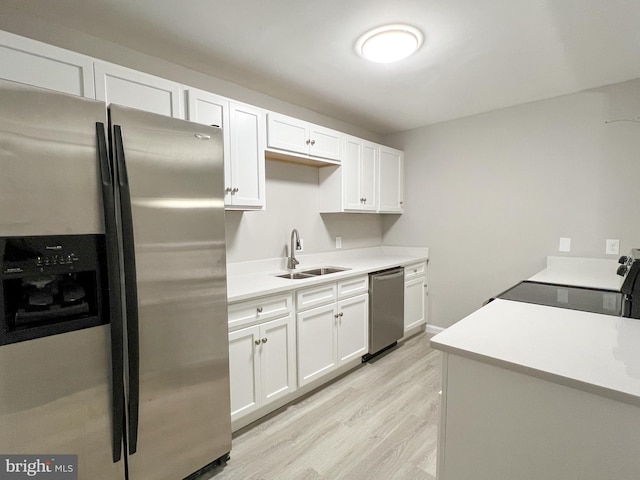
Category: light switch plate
<point>565,244</point>
<point>612,247</point>
<point>338,242</point>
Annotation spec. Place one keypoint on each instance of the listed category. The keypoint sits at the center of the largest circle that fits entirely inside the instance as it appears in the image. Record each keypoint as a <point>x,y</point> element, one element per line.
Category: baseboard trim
<point>434,330</point>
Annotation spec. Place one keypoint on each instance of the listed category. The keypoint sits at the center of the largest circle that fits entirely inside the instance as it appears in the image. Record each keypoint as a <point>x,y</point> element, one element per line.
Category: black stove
<point>609,302</point>
<point>630,269</point>
<point>622,303</point>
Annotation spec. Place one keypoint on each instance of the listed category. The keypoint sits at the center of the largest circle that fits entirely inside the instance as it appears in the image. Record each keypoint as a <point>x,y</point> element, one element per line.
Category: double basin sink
<point>314,272</point>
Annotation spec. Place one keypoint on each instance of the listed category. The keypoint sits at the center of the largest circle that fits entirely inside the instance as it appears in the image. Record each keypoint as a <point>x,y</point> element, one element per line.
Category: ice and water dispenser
<point>50,285</point>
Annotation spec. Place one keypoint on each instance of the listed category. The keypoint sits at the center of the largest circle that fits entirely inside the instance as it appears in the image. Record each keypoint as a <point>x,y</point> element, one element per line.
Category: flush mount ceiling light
<point>389,43</point>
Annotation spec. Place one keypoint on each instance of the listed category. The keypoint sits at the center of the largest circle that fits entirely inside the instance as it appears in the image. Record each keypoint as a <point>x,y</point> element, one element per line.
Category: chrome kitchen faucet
<point>291,259</point>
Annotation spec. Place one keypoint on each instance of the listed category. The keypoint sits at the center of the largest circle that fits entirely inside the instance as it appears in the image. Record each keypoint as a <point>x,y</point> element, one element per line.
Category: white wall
<point>491,194</point>
<point>292,202</point>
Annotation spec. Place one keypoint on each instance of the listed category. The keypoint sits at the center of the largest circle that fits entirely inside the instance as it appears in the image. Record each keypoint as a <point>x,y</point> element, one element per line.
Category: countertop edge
<point>379,262</point>
<point>541,374</point>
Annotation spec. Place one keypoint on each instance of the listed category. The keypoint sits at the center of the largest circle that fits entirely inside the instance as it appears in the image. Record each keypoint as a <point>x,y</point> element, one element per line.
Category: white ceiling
<point>479,55</point>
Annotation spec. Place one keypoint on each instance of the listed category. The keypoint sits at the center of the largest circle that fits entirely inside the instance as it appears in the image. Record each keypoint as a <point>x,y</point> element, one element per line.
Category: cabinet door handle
<point>308,142</point>
<point>259,309</point>
<point>264,340</point>
<point>340,314</point>
<point>313,142</point>
<point>227,190</point>
<point>257,342</point>
<point>235,190</point>
<point>335,316</point>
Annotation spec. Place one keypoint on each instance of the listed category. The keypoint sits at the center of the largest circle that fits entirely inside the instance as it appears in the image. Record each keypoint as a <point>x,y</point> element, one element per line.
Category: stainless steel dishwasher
<point>386,310</point>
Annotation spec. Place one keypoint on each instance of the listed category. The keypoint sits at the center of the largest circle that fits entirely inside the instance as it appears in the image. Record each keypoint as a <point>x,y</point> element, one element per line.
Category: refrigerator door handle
<point>130,285</point>
<point>115,300</point>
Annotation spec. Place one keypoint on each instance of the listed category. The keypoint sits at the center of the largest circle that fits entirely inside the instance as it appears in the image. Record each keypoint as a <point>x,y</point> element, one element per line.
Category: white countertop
<point>581,272</point>
<point>252,279</point>
<point>593,352</point>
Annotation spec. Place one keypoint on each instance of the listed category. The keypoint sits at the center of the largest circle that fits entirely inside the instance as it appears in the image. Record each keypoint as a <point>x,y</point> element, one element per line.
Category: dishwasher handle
<point>387,274</point>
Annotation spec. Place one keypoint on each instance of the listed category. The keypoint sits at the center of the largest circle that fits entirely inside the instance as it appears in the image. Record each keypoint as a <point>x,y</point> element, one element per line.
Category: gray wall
<point>292,202</point>
<point>492,194</point>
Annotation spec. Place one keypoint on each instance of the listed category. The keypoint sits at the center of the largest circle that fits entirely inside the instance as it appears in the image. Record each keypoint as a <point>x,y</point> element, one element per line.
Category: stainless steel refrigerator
<point>113,313</point>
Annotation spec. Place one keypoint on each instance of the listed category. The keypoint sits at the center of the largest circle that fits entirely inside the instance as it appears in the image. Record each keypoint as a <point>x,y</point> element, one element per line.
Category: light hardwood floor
<point>378,422</point>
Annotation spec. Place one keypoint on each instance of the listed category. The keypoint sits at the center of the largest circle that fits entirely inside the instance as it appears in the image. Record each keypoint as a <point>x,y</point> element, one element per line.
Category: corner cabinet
<point>297,137</point>
<point>390,180</point>
<point>243,133</point>
<point>124,86</point>
<point>41,65</point>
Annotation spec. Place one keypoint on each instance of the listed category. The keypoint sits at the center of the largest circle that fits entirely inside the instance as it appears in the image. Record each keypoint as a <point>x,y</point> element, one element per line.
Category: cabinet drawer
<point>353,286</point>
<point>259,310</point>
<point>415,270</point>
<point>316,296</point>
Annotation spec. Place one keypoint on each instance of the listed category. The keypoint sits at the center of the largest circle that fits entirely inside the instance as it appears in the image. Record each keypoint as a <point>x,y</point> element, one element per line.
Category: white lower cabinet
<point>335,333</point>
<point>415,295</point>
<point>317,343</point>
<point>262,365</point>
<point>353,328</point>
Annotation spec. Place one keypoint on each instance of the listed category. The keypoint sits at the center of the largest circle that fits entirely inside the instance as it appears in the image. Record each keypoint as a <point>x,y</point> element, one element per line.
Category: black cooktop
<point>608,302</point>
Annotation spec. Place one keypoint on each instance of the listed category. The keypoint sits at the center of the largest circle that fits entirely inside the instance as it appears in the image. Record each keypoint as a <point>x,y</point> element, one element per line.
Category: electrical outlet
<point>300,246</point>
<point>612,247</point>
<point>565,244</point>
<point>338,242</point>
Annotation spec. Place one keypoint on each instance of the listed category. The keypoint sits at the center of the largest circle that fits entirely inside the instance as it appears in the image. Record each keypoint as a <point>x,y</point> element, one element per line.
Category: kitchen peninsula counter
<point>593,352</point>
<point>532,391</point>
<point>257,278</point>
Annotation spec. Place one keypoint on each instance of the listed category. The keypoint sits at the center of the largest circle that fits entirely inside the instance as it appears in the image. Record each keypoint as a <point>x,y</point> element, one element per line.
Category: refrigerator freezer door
<point>175,178</point>
<point>49,181</point>
<point>55,399</point>
<point>55,393</point>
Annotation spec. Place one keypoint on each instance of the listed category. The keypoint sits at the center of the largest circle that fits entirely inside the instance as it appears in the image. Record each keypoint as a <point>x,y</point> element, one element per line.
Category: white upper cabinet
<point>209,109</point>
<point>353,186</point>
<point>370,179</point>
<point>124,86</point>
<point>247,179</point>
<point>390,180</point>
<point>301,138</point>
<point>360,175</point>
<point>34,63</point>
<point>243,134</point>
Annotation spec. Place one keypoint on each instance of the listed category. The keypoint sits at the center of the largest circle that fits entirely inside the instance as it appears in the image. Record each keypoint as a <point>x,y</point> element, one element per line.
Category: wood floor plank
<point>377,423</point>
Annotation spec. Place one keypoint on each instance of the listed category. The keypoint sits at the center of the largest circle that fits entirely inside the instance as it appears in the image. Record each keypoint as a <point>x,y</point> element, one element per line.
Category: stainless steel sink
<point>314,272</point>
<point>324,270</point>
<point>295,275</point>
